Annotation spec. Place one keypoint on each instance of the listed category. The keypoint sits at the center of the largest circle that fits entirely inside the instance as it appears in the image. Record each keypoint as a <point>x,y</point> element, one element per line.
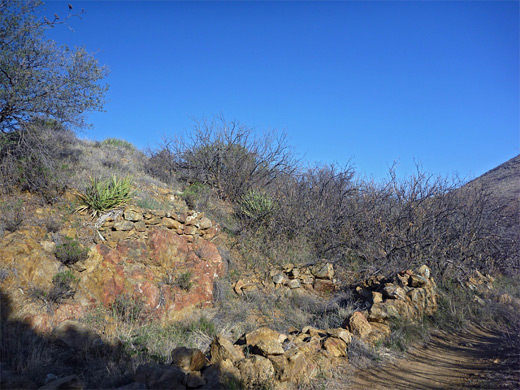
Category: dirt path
<point>477,359</point>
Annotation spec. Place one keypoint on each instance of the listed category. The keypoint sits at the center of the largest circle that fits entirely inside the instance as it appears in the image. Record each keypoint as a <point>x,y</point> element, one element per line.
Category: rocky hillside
<point>181,285</point>
<point>502,182</point>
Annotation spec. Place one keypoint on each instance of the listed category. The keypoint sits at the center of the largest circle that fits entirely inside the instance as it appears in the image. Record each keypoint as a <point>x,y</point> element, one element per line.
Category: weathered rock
<point>170,223</point>
<point>256,370</point>
<point>157,376</point>
<point>424,271</point>
<point>48,246</point>
<point>189,229</point>
<point>394,292</point>
<point>154,220</point>
<point>324,285</point>
<point>133,215</point>
<point>293,283</point>
<point>323,270</point>
<point>379,332</point>
<point>204,223</point>
<point>140,226</point>
<point>281,367</point>
<point>123,226</point>
<point>389,309</point>
<point>295,272</point>
<point>359,325</point>
<point>377,297</point>
<point>314,332</point>
<point>220,375</point>
<point>341,333</point>
<point>417,281</point>
<point>267,341</point>
<point>188,359</point>
<point>278,278</point>
<point>335,347</point>
<point>308,281</point>
<point>71,382</point>
<point>223,349</point>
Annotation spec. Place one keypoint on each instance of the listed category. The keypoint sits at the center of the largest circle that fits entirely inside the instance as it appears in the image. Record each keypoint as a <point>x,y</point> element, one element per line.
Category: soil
<point>476,359</point>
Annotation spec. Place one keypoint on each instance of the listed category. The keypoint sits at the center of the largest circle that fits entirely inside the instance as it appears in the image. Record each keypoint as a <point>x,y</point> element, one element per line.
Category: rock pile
<point>258,358</point>
<point>318,277</point>
<point>407,295</point>
<point>134,223</point>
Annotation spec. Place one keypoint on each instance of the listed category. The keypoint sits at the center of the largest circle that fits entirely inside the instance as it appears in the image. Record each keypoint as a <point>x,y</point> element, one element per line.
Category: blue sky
<point>370,82</point>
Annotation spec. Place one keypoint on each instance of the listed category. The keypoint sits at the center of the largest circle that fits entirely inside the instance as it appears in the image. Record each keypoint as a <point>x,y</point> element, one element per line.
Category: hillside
<point>194,268</point>
<point>503,184</point>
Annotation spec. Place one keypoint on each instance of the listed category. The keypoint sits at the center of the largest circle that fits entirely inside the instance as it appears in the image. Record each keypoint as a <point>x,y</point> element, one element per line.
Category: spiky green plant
<point>257,206</point>
<point>105,195</point>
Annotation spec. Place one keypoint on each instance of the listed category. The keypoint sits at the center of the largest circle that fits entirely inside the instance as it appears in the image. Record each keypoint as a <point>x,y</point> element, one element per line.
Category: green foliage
<point>203,325</point>
<point>65,278</point>
<point>106,195</point>
<point>193,193</point>
<point>120,143</point>
<point>70,251</point>
<point>184,280</point>
<point>64,286</point>
<point>149,203</point>
<point>257,206</point>
<point>40,78</point>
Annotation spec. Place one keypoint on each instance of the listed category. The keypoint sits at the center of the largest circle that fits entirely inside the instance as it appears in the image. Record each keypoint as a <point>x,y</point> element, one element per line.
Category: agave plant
<point>105,195</point>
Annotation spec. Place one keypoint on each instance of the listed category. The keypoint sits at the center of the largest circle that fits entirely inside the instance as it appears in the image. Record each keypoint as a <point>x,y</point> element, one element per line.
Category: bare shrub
<point>11,215</point>
<point>35,158</point>
<point>228,157</point>
<point>161,162</point>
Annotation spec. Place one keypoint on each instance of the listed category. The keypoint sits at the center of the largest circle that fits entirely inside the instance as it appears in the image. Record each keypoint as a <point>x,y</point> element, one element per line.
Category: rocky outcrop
<point>162,261</point>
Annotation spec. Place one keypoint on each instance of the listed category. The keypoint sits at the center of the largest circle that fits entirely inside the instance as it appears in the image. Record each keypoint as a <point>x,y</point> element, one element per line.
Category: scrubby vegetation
<point>272,210</point>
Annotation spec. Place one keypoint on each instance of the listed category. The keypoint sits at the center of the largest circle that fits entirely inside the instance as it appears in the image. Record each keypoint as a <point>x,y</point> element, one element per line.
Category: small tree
<point>38,78</point>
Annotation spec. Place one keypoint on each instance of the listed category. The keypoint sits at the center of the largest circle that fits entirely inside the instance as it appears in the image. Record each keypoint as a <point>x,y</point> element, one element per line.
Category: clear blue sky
<point>374,82</point>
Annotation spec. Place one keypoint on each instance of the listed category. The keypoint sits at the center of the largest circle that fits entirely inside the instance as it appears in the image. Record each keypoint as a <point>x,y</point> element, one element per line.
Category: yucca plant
<point>105,195</point>
<point>257,206</point>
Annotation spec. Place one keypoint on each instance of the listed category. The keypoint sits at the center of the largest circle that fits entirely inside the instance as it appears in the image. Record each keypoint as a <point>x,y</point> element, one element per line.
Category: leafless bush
<point>161,162</point>
<point>384,227</point>
<point>34,158</point>
<point>228,157</point>
<point>11,215</point>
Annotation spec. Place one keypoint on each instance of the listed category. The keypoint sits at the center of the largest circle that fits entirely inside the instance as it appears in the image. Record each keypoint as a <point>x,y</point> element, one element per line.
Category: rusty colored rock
<point>256,370</point>
<point>335,347</point>
<point>341,333</point>
<point>222,349</point>
<point>324,285</point>
<point>323,270</point>
<point>359,325</point>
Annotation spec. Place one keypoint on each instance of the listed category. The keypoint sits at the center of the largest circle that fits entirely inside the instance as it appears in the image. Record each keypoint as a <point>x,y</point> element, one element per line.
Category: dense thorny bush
<point>389,226</point>
<point>35,158</point>
<point>227,156</point>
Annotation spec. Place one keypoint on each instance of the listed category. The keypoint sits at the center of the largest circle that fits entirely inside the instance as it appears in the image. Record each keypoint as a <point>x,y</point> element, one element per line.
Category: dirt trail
<point>477,359</point>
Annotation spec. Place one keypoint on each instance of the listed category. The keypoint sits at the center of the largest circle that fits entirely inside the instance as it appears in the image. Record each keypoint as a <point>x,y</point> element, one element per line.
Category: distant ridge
<point>502,183</point>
